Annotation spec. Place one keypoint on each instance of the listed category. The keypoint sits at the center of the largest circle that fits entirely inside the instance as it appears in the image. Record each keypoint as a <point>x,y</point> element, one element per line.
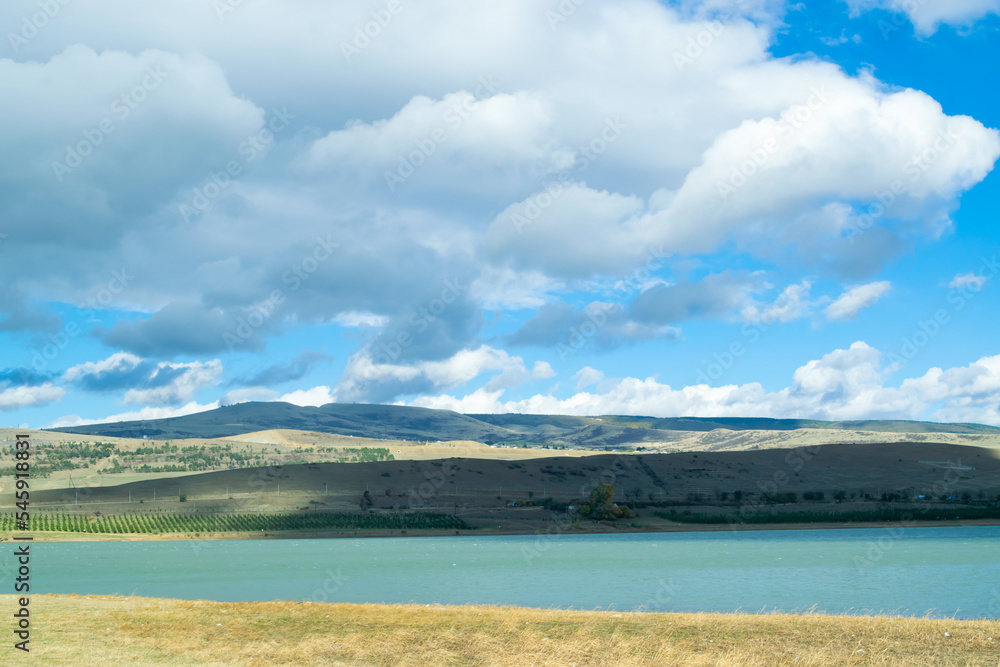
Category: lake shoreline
<point>520,529</point>
<point>163,631</point>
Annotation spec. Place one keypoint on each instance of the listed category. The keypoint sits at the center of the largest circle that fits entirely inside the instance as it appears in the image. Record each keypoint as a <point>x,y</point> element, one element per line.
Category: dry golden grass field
<point>281,445</point>
<point>75,630</point>
<point>475,483</point>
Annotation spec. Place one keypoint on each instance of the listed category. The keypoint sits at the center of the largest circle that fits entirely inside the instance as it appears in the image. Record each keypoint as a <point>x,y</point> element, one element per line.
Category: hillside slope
<point>411,423</point>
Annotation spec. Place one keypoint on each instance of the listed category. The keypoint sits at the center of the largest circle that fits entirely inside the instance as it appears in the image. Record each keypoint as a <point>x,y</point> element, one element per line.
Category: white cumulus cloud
<point>857,298</point>
<point>14,398</point>
<point>314,397</point>
<point>928,15</point>
<point>968,279</point>
<point>844,384</point>
<point>135,415</point>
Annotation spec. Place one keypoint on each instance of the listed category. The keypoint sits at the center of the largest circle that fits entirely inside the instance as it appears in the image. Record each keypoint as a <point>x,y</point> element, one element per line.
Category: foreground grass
<point>145,631</point>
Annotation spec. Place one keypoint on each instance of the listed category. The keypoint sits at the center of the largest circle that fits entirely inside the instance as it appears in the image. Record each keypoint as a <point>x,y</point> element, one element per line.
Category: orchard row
<point>192,523</point>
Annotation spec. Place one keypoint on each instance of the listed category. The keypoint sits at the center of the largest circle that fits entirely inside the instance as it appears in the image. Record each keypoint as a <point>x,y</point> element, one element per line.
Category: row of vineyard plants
<point>189,523</point>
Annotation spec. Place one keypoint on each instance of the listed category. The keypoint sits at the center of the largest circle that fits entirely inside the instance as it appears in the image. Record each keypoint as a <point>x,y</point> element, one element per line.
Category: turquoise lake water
<point>914,571</point>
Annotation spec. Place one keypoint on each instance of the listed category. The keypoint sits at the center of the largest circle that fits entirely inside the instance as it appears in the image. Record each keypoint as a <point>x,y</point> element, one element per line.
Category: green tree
<point>600,504</point>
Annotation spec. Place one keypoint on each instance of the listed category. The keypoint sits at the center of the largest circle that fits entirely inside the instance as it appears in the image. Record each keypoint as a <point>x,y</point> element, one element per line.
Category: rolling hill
<point>439,484</point>
<point>412,423</point>
<point>359,420</point>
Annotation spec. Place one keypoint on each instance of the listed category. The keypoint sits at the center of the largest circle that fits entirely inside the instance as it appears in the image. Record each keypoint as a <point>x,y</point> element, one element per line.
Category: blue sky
<point>700,208</point>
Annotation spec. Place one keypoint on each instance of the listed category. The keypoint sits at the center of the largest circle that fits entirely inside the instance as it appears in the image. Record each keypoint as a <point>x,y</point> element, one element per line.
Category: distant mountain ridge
<point>412,423</point>
<point>361,420</point>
